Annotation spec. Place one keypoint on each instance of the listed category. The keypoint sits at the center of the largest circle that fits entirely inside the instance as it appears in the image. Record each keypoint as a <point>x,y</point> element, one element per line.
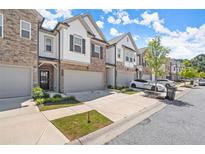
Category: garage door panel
<point>123,79</point>
<point>75,81</point>
<point>15,82</point>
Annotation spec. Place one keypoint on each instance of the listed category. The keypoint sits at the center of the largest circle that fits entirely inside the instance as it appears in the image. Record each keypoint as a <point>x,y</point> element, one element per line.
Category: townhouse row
<point>73,57</point>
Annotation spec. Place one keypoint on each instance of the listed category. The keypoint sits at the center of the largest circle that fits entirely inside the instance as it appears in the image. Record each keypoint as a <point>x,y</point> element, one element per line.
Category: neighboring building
<point>144,72</point>
<point>175,68</point>
<point>72,56</point>
<point>121,61</point>
<point>18,52</point>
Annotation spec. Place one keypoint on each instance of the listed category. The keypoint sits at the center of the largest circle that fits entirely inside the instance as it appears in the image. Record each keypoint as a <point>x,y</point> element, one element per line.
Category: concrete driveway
<point>27,126</point>
<point>12,103</point>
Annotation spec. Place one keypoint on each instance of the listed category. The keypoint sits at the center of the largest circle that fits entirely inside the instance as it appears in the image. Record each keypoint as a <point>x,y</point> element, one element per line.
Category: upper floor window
<point>97,51</point>
<point>25,29</point>
<point>127,58</point>
<point>1,25</point>
<point>48,44</point>
<point>77,44</point>
<point>119,53</point>
<point>130,59</point>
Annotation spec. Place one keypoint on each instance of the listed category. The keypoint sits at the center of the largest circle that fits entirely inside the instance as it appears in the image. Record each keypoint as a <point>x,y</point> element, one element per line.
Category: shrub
<point>46,95</point>
<point>109,87</point>
<point>40,101</point>
<point>37,93</point>
<point>53,100</point>
<point>72,98</point>
<point>57,96</point>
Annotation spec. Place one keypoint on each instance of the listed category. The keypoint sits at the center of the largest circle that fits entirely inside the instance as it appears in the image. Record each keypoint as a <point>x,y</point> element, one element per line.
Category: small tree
<point>201,75</point>
<point>156,56</point>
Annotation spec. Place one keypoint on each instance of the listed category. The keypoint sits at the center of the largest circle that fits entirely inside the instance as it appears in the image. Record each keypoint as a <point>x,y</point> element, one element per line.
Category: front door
<point>44,79</point>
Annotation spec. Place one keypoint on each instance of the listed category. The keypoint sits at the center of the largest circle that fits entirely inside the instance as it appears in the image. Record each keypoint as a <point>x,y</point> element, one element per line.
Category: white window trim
<point>79,37</point>
<point>95,50</point>
<point>118,53</point>
<point>25,30</point>
<point>2,26</point>
<point>48,37</point>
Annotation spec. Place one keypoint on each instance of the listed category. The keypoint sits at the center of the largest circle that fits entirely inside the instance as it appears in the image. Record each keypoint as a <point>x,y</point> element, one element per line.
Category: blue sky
<point>181,30</point>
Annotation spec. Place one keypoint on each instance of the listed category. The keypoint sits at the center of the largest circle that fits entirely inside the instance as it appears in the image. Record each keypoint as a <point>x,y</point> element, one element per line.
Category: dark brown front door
<point>44,79</point>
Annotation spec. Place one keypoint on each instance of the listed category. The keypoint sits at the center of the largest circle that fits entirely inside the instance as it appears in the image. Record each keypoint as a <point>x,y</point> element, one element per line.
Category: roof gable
<point>93,26</point>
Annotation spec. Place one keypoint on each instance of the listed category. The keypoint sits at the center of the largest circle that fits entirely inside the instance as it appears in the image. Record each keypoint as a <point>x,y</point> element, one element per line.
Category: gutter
<point>115,68</point>
<point>59,63</point>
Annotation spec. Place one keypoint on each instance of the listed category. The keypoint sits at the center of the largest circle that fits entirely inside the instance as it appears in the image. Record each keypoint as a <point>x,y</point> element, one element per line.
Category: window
<point>97,50</point>
<point>25,29</point>
<point>1,25</point>
<point>119,53</point>
<point>48,44</point>
<point>77,43</point>
<point>127,58</point>
<point>130,59</point>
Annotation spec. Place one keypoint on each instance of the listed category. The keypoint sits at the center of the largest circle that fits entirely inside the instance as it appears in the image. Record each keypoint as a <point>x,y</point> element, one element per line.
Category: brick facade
<point>14,49</point>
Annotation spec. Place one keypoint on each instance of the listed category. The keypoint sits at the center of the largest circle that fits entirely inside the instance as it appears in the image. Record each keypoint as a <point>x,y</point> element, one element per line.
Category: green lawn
<point>76,126</point>
<point>58,105</point>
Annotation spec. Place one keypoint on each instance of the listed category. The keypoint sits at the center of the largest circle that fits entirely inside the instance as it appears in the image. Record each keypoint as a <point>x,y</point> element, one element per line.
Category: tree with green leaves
<point>156,56</point>
<point>201,75</point>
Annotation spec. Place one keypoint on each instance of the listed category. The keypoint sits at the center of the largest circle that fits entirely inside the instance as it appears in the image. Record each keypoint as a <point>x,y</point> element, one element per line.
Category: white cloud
<point>121,16</point>
<point>51,19</point>
<point>136,37</point>
<point>148,19</point>
<point>186,44</point>
<point>115,32</point>
<point>112,20</point>
<point>106,11</point>
<point>100,23</point>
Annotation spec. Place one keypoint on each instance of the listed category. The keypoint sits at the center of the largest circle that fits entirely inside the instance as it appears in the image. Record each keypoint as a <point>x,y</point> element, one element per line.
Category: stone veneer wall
<point>15,50</point>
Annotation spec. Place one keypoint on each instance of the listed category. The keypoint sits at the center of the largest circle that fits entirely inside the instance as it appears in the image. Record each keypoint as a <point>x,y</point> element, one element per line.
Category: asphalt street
<point>180,122</point>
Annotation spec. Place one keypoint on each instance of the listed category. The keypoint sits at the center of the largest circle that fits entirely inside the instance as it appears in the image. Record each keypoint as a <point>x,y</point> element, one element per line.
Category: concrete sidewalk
<point>28,126</point>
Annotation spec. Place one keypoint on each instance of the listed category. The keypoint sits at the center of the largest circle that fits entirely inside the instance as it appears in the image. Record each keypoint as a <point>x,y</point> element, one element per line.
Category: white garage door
<point>123,79</point>
<point>15,82</point>
<point>146,77</point>
<point>76,81</point>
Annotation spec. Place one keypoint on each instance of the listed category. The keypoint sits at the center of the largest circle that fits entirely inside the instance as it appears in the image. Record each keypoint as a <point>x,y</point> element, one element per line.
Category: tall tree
<point>156,56</point>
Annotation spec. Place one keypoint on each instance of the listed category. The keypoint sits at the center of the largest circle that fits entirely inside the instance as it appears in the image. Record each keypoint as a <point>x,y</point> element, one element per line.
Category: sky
<point>183,31</point>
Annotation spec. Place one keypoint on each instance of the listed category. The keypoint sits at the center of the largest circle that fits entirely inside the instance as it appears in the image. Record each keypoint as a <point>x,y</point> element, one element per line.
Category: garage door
<point>76,81</point>
<point>123,79</point>
<point>146,77</point>
<point>15,82</point>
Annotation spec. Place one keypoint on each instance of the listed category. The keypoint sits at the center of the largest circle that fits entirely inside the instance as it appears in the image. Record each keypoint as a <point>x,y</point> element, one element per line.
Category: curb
<point>107,133</point>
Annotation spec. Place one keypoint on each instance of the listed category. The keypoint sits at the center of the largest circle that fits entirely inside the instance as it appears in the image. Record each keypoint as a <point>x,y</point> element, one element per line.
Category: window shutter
<point>92,50</point>
<point>101,52</point>
<point>83,41</point>
<point>71,42</point>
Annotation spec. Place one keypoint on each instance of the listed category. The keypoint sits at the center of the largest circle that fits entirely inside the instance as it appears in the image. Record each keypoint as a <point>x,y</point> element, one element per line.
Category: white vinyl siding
<point>25,29</point>
<point>1,25</point>
<point>48,44</point>
<point>77,43</point>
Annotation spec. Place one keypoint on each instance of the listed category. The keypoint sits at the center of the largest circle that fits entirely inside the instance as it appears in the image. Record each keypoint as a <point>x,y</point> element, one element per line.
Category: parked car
<point>166,82</point>
<point>144,84</point>
<point>201,82</point>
